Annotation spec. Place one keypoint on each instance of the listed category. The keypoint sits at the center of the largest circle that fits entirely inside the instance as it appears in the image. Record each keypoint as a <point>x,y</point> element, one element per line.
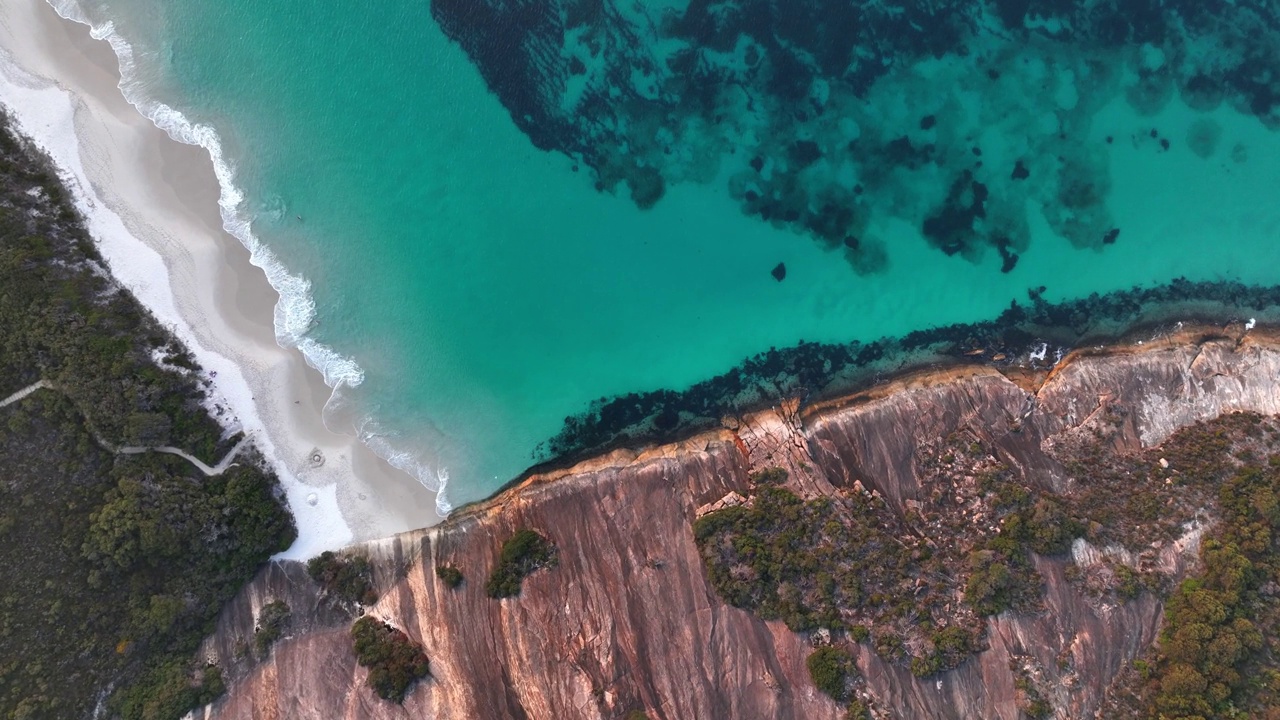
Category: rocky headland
<point>627,624</point>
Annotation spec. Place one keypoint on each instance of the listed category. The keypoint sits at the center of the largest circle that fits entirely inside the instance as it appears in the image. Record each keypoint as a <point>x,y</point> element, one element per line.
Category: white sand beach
<point>152,205</point>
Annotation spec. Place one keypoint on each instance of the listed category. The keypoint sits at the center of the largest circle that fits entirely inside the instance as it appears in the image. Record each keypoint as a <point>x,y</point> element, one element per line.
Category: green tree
<point>830,668</point>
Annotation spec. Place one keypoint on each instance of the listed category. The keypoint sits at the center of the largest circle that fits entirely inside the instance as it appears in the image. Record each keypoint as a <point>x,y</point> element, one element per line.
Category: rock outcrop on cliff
<point>627,621</point>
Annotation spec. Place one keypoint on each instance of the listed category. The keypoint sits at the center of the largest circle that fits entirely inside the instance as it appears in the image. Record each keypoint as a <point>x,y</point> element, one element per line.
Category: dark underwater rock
<point>807,90</point>
<point>779,272</point>
<point>951,227</point>
<point>816,371</point>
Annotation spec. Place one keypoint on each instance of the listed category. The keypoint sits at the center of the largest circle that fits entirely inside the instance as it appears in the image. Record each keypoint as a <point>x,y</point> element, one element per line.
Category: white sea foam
<point>295,313</point>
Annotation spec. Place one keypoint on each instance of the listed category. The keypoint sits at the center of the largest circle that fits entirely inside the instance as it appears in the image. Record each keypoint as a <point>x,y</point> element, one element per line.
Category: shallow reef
<point>831,117</point>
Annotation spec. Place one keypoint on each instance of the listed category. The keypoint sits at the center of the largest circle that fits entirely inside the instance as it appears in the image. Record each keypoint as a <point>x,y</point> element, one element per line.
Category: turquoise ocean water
<point>487,290</point>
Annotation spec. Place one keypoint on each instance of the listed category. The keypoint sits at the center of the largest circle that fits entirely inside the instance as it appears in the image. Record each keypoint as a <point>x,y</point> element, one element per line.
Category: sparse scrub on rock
<point>1031,702</point>
<point>853,564</point>
<point>845,564</point>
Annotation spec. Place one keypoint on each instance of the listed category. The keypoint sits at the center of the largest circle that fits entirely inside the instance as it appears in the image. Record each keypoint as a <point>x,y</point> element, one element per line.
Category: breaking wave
<point>295,313</point>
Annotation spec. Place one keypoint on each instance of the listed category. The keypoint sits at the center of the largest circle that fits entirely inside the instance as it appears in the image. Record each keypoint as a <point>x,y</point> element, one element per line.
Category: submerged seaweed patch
<point>831,117</point>
<point>1033,334</point>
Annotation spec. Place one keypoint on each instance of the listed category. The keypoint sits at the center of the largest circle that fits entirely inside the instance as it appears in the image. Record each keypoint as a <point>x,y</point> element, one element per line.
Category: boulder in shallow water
<point>779,272</point>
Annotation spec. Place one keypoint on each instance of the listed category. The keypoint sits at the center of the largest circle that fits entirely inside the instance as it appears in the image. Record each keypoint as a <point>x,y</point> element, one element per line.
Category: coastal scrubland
<point>115,564</point>
<point>917,585</point>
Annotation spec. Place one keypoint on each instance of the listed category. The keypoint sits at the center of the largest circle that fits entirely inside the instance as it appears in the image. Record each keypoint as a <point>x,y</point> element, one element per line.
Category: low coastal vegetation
<point>115,564</point>
<point>849,564</point>
<point>851,568</point>
<point>394,661</point>
<point>348,577</point>
<point>1216,657</point>
<point>522,553</point>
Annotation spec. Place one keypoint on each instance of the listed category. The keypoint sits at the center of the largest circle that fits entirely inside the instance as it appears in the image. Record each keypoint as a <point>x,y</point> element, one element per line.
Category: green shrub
<point>1050,530</point>
<point>449,575</point>
<point>394,661</point>
<point>951,647</point>
<point>1129,583</point>
<point>857,710</point>
<point>522,554</point>
<point>272,621</point>
<point>350,578</point>
<point>807,563</point>
<point>830,669</point>
<point>1038,709</point>
<point>889,647</point>
<point>770,476</point>
<point>925,666</point>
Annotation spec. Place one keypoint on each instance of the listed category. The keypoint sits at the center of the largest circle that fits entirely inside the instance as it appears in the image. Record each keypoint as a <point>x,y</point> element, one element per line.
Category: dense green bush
<point>395,662</point>
<point>831,668</point>
<point>889,646</point>
<point>348,577</point>
<point>171,690</point>
<point>449,575</point>
<point>951,647</point>
<point>522,553</point>
<point>272,622</point>
<point>61,320</point>
<point>119,569</point>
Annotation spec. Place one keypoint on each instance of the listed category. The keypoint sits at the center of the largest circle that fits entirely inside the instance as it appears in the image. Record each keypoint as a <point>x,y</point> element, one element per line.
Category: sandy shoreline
<point>152,205</point>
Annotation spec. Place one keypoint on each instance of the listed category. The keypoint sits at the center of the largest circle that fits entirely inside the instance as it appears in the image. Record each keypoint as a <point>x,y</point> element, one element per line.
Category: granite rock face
<point>628,621</point>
